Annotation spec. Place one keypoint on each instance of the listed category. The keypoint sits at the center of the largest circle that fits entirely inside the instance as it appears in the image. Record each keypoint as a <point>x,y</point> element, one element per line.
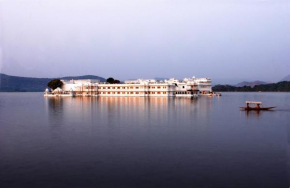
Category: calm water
<point>143,142</point>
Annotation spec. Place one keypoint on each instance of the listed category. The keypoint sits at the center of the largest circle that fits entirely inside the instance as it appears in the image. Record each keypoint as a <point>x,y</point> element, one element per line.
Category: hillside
<point>161,78</point>
<point>287,78</point>
<point>251,84</point>
<point>280,86</point>
<point>26,84</point>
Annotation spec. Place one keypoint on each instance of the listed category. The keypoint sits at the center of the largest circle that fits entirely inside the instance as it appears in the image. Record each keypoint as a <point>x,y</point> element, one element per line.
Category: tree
<point>53,84</point>
<point>111,80</point>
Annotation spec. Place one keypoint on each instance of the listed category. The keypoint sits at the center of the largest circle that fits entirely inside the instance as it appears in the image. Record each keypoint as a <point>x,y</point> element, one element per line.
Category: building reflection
<point>114,111</point>
<point>54,106</point>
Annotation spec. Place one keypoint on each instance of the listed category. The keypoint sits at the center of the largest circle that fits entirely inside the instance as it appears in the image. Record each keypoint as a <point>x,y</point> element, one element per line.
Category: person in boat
<point>257,107</point>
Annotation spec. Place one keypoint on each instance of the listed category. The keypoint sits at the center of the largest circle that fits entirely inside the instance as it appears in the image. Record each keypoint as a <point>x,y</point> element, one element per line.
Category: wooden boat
<point>257,107</point>
<point>218,94</point>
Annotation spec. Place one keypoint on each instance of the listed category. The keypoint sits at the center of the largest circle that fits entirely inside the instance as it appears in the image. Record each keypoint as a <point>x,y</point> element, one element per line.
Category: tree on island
<point>53,84</point>
<point>113,81</point>
<point>110,80</point>
<point>280,86</point>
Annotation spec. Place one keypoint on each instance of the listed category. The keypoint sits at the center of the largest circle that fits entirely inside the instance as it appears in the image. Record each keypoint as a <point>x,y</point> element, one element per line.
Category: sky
<point>222,39</point>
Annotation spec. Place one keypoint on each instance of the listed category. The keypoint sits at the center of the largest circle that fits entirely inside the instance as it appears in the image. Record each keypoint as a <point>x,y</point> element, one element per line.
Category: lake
<point>144,142</point>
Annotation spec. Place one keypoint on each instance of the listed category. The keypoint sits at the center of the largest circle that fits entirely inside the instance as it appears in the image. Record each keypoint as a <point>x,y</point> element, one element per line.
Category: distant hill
<point>226,81</point>
<point>280,86</point>
<point>287,78</point>
<point>251,84</point>
<point>26,84</point>
<point>160,78</point>
<point>84,77</point>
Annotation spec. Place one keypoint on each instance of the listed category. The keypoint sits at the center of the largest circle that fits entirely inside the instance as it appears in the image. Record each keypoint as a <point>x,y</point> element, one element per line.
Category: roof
<point>253,102</point>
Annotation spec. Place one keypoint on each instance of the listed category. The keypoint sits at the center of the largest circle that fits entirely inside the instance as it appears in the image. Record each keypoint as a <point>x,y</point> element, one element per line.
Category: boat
<point>257,107</point>
<point>214,94</point>
<point>218,94</point>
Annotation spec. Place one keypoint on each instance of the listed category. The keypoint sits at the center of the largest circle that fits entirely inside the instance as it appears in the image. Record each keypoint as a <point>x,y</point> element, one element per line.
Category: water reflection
<point>112,110</point>
<point>256,113</point>
<point>149,142</point>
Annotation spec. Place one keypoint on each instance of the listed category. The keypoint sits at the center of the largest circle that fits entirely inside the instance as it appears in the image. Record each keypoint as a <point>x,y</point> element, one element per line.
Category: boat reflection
<point>256,113</point>
<point>250,113</point>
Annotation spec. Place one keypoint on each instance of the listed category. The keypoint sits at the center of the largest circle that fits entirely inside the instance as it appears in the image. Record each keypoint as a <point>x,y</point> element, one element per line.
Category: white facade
<point>87,87</point>
<point>189,87</point>
<point>204,85</point>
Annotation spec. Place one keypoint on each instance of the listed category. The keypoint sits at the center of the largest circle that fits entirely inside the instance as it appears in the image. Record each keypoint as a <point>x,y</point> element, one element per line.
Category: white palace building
<point>189,87</point>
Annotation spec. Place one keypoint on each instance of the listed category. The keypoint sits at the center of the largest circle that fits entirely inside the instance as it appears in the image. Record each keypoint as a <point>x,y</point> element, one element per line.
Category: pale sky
<point>226,39</point>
